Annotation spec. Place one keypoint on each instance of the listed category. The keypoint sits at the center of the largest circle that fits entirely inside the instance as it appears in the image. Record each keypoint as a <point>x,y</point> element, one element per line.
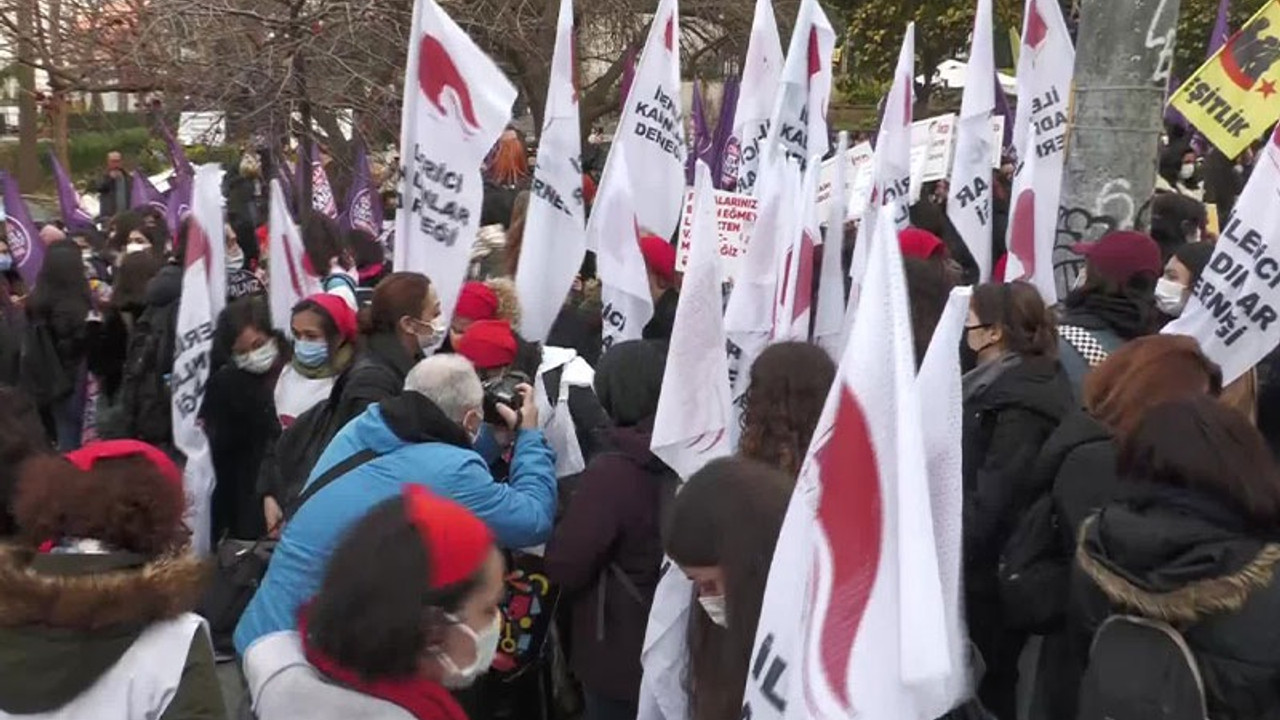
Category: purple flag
<point>145,195</point>
<point>1172,116</point>
<point>703,147</point>
<point>1221,28</point>
<point>628,77</point>
<point>286,184</point>
<point>322,200</point>
<point>177,155</point>
<point>73,216</point>
<point>724,130</point>
<point>1004,111</point>
<point>178,205</point>
<point>364,204</point>
<point>24,244</point>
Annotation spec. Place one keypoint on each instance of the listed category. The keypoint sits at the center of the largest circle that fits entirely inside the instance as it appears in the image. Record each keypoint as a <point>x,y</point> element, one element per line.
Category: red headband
<point>457,542</point>
<point>87,456</point>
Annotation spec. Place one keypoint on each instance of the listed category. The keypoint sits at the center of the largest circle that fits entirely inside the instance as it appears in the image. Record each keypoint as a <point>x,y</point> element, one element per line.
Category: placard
<point>735,217</point>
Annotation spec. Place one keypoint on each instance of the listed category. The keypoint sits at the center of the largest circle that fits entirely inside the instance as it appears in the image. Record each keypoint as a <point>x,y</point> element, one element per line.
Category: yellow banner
<point>1235,96</point>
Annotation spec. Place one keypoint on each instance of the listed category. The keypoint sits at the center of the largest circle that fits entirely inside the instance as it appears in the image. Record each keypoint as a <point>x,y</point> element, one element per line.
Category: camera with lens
<point>502,391</point>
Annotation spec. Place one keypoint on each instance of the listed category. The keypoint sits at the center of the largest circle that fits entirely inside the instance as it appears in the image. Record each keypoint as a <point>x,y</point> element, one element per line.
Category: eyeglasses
<point>983,326</point>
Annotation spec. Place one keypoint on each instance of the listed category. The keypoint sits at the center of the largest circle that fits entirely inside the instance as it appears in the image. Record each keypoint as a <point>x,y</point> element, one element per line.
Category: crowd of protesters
<point>367,456</point>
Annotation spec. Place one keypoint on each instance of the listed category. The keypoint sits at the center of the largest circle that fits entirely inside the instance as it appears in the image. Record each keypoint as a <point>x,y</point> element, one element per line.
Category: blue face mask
<point>311,353</point>
<point>6,262</point>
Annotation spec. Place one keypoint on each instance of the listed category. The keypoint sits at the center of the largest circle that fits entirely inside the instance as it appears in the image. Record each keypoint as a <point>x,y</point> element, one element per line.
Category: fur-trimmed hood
<point>94,592</point>
<point>1180,562</point>
<point>67,619</point>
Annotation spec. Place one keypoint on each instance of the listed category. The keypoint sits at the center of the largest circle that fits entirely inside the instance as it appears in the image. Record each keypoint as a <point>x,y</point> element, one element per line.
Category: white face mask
<point>258,361</point>
<point>1171,296</point>
<point>235,261</point>
<point>715,608</point>
<point>1187,171</point>
<point>486,642</point>
<point>136,247</point>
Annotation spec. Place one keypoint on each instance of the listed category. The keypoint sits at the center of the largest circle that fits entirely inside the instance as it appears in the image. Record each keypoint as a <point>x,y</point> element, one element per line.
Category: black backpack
<point>1035,571</point>
<point>144,386</point>
<point>1141,669</point>
<point>300,446</point>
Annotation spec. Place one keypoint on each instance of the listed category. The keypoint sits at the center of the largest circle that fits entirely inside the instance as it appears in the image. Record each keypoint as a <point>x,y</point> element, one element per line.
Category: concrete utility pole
<point>1124,54</point>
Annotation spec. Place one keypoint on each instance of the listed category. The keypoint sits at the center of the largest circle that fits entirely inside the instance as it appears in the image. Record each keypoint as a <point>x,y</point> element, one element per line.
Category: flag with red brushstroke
<point>1033,222</point>
<point>761,75</point>
<point>793,307</point>
<point>853,611</point>
<point>289,281</point>
<point>799,125</point>
<point>457,102</point>
<point>203,297</point>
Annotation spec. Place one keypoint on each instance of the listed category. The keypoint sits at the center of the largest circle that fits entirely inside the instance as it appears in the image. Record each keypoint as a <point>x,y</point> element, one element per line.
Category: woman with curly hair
<point>97,590</point>
<point>789,386</point>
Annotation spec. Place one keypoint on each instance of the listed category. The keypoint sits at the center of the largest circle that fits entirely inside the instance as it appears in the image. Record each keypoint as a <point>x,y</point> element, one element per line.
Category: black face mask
<point>968,356</point>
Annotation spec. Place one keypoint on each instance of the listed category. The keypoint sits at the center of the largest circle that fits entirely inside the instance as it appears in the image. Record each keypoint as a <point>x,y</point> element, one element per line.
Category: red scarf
<point>424,699</point>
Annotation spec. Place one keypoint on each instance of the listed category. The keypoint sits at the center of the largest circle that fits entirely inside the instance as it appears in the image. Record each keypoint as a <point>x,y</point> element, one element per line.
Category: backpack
<point>1035,571</point>
<point>1141,669</point>
<point>144,386</point>
<point>301,445</point>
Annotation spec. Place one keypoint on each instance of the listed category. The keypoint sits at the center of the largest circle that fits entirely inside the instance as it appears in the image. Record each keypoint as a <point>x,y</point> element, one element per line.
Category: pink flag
<point>652,134</point>
<point>555,238</point>
<point>761,74</point>
<point>969,199</point>
<point>456,104</point>
<point>289,280</point>
<point>799,126</point>
<point>853,611</point>
<point>198,311</point>
<point>20,232</point>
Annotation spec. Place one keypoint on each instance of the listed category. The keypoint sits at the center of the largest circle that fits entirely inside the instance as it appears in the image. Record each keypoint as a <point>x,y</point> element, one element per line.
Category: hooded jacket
<point>415,443</point>
<point>103,636</point>
<point>606,555</point>
<point>1111,321</point>
<point>1184,558</point>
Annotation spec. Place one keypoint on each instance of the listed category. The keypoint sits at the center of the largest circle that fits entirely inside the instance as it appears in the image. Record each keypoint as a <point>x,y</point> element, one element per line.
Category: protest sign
<point>735,217</point>
<point>1234,309</point>
<point>932,144</point>
<point>202,128</point>
<point>1232,98</point>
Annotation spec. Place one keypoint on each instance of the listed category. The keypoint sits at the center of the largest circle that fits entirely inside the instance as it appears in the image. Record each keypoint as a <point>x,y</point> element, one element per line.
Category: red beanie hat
<point>659,256</point>
<point>90,454</point>
<point>476,302</point>
<point>457,542</point>
<point>344,318</point>
<point>920,244</point>
<point>488,344</point>
<point>1121,255</point>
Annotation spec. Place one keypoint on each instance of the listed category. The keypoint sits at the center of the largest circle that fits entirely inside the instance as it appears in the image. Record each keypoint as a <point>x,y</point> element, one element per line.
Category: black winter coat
<point>239,415</point>
<point>612,528</point>
<point>1005,425</point>
<point>1184,558</point>
<point>378,373</point>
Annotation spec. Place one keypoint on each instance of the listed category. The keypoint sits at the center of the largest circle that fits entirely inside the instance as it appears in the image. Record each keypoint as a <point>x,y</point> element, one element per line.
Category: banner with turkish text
<point>969,196</point>
<point>799,125</point>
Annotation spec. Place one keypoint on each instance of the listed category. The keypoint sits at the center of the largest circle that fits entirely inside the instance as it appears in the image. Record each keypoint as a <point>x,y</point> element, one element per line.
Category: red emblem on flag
<point>436,73</point>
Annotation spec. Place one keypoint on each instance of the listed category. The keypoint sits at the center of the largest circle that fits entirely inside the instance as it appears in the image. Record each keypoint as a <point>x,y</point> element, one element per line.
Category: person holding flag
<point>114,188</point>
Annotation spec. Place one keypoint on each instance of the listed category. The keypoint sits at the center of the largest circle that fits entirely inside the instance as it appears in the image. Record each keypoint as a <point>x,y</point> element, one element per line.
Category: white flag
<point>1045,68</point>
<point>941,394</point>
<point>694,414</point>
<point>555,237</point>
<point>853,615</point>
<point>197,314</point>
<point>761,74</point>
<point>665,657</point>
<point>456,104</point>
<point>624,283</point>
<point>652,134</point>
<point>891,167</point>
<point>748,318</point>
<point>799,126</point>
<point>828,325</point>
<point>793,308</point>
<point>289,280</point>
<point>1233,310</point>
<point>969,200</point>
<point>1033,227</point>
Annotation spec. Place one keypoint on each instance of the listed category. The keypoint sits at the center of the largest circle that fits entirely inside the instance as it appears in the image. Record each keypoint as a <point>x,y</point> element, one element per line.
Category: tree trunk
<point>1123,59</point>
<point>28,161</point>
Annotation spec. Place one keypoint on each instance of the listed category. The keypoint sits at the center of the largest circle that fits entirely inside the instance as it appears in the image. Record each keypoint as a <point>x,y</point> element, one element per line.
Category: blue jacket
<point>417,444</point>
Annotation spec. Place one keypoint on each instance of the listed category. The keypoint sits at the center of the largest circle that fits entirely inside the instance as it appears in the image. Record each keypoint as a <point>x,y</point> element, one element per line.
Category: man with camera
<point>425,435</point>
